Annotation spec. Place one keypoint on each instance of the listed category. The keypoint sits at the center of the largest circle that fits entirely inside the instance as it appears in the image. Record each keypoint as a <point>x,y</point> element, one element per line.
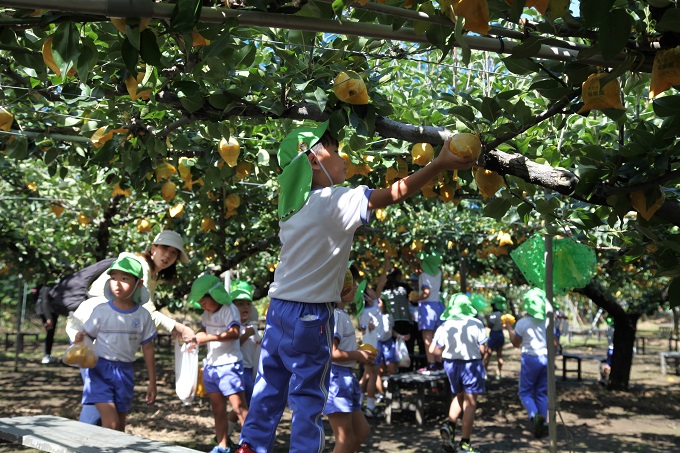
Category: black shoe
<point>539,425</point>
<point>447,434</point>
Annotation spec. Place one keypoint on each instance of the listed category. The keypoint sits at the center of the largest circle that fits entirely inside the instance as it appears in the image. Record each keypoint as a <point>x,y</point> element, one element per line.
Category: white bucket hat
<point>172,239</point>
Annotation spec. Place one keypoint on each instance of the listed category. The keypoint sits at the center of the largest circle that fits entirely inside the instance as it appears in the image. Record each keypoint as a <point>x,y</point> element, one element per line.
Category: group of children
<point>301,346</point>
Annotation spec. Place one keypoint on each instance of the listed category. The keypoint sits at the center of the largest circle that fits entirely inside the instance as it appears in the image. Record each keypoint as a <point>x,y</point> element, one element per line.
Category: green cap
<point>295,180</point>
<point>208,284</point>
<point>499,302</point>
<point>359,296</point>
<point>127,263</point>
<point>241,290</point>
<point>478,302</point>
<point>459,306</point>
<point>431,263</point>
<point>534,302</point>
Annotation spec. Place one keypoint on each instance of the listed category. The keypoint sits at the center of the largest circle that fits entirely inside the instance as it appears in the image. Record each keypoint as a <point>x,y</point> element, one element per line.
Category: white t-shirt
<point>345,333</point>
<point>119,333</point>
<point>371,315</point>
<point>250,349</point>
<point>533,333</point>
<point>387,323</point>
<point>316,243</point>
<point>460,338</point>
<point>434,283</point>
<point>222,352</point>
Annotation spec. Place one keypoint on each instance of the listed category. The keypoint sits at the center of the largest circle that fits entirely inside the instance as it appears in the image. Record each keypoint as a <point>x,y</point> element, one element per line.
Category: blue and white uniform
<point>533,374</point>
<point>460,340</point>
<point>344,392</point>
<point>223,370</point>
<point>118,334</point>
<point>496,337</point>
<point>296,346</point>
<point>250,349</point>
<point>431,308</point>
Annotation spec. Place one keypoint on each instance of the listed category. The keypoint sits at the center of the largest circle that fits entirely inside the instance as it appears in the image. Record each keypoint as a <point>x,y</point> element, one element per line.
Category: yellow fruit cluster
<point>229,150</point>
<point>638,200</point>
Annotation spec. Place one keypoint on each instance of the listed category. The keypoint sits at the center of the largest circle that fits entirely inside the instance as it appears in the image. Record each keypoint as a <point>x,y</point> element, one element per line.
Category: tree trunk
<point>625,326</point>
<point>624,340</point>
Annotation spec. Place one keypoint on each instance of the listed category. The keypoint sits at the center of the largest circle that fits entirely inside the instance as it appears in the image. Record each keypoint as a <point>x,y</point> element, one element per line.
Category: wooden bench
<point>664,356</point>
<point>61,435</point>
<point>568,358</point>
<point>435,382</point>
<point>20,338</point>
<point>640,343</point>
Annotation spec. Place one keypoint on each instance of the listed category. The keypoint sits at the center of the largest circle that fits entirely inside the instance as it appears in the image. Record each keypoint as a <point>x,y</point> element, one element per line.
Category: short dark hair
<point>326,140</point>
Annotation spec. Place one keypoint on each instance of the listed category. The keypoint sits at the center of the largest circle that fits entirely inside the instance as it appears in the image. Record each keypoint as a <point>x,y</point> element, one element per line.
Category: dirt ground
<point>590,418</point>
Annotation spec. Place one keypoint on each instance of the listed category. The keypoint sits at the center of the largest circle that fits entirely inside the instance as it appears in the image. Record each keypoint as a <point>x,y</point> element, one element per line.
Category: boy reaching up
<point>317,224</point>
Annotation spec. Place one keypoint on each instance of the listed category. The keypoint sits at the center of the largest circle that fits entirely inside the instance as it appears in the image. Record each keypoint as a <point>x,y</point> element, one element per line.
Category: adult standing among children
<point>529,334</point>
<point>317,224</point>
<point>396,292</point>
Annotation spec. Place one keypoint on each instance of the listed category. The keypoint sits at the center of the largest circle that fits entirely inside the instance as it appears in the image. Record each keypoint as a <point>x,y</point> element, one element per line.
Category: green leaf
<point>244,57</point>
<point>87,59</point>
<point>521,66</point>
<point>130,57</point>
<point>18,148</point>
<point>529,48</point>
<point>497,208</point>
<point>66,46</point>
<point>464,47</point>
<point>218,46</point>
<point>594,12</point>
<point>148,49</point>
<point>667,106</point>
<point>670,21</point>
<point>133,35</point>
<point>185,15</point>
<point>614,32</point>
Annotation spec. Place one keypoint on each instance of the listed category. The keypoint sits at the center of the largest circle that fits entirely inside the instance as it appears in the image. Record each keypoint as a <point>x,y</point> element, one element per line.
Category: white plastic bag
<point>186,371</point>
<point>402,353</point>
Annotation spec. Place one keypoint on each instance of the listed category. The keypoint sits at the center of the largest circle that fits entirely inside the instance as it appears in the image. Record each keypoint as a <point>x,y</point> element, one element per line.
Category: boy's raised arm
<point>409,185</point>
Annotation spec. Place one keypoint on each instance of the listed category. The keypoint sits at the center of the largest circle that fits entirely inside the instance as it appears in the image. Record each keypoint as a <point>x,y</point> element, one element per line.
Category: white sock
<point>370,403</point>
<point>230,428</point>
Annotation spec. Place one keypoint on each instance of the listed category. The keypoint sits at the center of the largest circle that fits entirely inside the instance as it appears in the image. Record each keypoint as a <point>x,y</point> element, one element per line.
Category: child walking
<point>529,334</point>
<point>223,371</point>
<point>461,342</point>
<point>370,323</point>
<point>343,408</point>
<point>496,337</point>
<point>430,306</point>
<point>317,224</point>
<point>119,328</point>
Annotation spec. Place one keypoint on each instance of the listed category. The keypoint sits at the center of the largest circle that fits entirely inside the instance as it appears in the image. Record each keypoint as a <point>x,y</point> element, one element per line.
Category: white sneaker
<point>49,359</point>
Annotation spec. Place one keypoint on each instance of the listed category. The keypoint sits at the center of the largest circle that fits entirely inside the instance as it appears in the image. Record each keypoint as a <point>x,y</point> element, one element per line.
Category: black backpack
<point>71,291</point>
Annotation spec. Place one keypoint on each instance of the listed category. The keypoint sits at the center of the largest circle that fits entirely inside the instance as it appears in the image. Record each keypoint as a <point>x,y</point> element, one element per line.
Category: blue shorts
<point>428,315</point>
<point>109,382</point>
<point>387,352</point>
<point>496,340</point>
<point>344,392</point>
<point>466,376</point>
<point>226,379</point>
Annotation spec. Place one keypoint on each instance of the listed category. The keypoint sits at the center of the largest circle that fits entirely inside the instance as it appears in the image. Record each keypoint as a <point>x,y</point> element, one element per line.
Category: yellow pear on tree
<point>143,225</point>
<point>488,182</point>
<point>465,145</point>
<point>230,150</point>
<point>57,209</point>
<point>6,119</point>
<point>83,219</point>
<point>638,200</point>
<point>349,87</point>
<point>422,153</point>
<point>207,224</point>
<point>168,190</point>
<point>176,211</point>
